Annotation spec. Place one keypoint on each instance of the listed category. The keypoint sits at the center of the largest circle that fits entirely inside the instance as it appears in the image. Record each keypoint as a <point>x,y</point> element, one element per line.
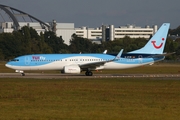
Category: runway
<point>69,76</point>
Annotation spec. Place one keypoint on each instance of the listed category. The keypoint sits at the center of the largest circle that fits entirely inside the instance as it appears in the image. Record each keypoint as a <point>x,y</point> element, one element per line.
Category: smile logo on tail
<point>156,46</point>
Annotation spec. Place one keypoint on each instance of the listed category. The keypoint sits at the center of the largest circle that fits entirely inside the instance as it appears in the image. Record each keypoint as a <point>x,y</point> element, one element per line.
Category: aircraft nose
<point>7,65</point>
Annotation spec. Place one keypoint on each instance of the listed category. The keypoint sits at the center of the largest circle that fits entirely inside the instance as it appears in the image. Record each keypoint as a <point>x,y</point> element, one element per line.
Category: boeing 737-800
<point>75,63</point>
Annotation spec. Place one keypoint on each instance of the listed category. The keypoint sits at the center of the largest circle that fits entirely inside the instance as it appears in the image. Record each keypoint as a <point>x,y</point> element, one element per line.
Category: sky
<point>94,13</point>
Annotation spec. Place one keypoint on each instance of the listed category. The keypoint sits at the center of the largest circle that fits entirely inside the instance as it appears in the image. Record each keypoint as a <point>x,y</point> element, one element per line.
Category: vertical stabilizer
<point>157,43</point>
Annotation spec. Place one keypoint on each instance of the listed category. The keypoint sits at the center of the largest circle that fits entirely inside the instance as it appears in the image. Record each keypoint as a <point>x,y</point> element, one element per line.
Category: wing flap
<point>92,65</point>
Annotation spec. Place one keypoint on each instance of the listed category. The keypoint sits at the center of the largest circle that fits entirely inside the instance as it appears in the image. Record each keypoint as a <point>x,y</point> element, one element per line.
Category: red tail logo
<point>156,46</point>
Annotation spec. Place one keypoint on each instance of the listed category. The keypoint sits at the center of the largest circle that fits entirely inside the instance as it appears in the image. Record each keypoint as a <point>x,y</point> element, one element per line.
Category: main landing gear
<point>88,73</point>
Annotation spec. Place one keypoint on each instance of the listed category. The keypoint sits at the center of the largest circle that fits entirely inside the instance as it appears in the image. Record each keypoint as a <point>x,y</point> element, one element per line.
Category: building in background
<point>110,33</point>
<point>103,33</point>
<point>65,30</point>
<point>14,19</point>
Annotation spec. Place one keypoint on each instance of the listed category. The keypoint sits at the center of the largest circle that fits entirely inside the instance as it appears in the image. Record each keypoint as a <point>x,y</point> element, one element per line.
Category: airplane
<point>76,63</point>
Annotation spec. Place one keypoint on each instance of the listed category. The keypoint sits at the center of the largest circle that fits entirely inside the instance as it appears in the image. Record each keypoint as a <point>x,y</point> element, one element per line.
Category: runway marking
<point>67,76</point>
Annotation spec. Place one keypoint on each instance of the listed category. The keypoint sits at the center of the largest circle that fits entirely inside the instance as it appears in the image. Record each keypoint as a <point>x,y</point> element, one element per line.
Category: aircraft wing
<point>93,64</point>
<point>99,63</point>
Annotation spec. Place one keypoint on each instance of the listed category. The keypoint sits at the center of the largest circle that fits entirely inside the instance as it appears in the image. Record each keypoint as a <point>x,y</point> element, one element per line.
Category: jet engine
<point>71,69</point>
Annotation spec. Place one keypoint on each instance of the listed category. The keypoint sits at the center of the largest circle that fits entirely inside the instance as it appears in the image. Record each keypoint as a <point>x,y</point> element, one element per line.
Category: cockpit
<point>14,60</point>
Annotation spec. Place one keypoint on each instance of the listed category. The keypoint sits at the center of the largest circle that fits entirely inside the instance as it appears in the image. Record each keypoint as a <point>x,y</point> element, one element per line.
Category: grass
<point>109,98</point>
<point>114,98</point>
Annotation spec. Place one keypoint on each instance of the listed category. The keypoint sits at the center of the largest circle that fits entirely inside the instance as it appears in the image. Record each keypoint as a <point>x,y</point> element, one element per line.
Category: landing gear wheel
<point>23,74</point>
<point>88,73</point>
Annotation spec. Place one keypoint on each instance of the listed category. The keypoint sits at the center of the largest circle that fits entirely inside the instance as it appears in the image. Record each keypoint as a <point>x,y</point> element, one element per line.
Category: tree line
<point>28,41</point>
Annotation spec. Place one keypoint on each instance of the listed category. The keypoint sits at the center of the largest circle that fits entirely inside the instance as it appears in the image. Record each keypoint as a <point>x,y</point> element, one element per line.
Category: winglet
<point>105,52</point>
<point>119,55</point>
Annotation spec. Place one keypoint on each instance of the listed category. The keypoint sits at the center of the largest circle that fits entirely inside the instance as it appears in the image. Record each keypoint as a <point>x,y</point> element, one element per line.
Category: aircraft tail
<point>157,43</point>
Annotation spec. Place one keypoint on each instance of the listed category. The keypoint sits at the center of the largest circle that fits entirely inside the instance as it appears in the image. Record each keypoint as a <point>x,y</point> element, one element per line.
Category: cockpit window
<point>15,60</point>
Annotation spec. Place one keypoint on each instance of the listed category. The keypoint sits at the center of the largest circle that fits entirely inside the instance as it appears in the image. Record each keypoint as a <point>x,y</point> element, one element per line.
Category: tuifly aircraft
<point>76,63</point>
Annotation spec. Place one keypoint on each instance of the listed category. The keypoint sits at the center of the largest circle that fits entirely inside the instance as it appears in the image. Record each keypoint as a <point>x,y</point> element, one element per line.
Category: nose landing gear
<point>22,74</point>
<point>20,71</point>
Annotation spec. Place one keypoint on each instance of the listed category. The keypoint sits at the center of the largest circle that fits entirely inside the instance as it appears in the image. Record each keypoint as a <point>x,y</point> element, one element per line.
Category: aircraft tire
<point>88,73</point>
<point>23,74</point>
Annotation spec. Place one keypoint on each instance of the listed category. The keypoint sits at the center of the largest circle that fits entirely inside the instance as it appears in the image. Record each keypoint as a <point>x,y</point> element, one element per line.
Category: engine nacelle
<point>72,69</point>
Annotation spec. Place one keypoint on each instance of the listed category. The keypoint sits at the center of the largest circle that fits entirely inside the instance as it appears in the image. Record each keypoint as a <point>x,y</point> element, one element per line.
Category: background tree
<point>28,41</point>
<point>56,43</point>
<point>43,46</point>
<point>26,38</point>
<point>9,45</point>
<point>175,31</point>
<point>79,44</point>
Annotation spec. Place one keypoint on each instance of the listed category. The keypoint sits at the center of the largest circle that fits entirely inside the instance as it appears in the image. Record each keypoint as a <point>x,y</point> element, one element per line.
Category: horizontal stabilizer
<point>160,55</point>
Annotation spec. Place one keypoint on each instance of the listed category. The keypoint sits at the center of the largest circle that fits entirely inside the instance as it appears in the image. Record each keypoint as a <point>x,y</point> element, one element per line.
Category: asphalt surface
<point>66,76</point>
